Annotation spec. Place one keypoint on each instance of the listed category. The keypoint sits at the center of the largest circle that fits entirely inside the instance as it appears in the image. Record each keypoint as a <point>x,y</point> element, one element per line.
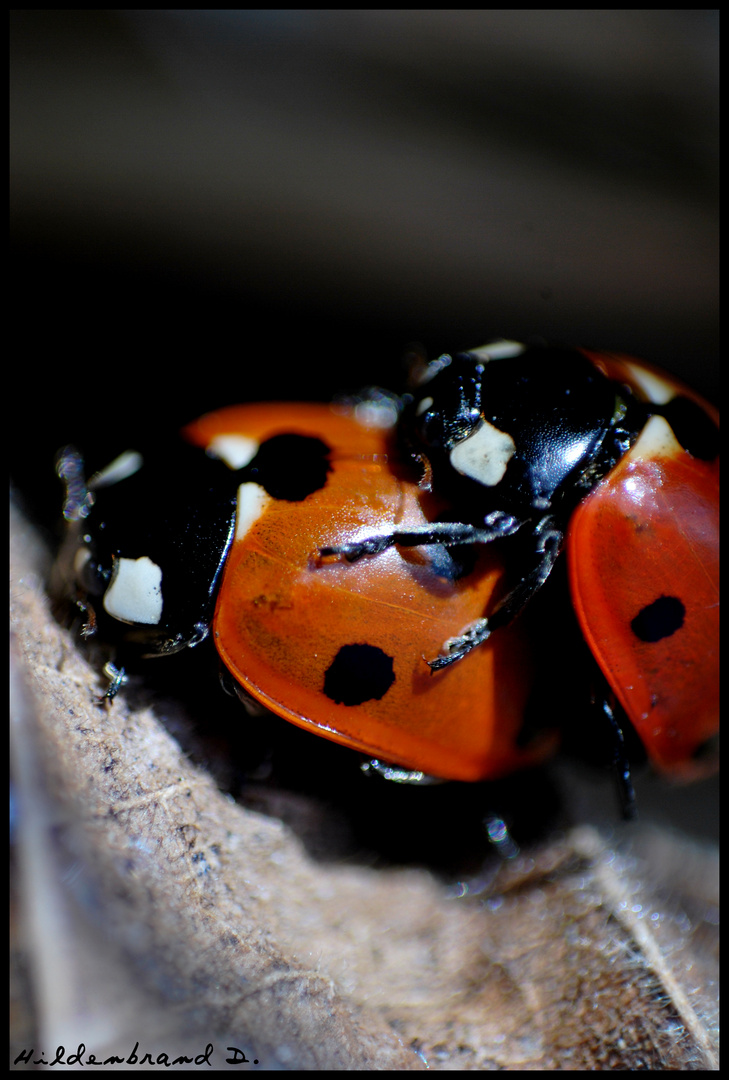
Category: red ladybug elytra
<point>340,649</point>
<point>643,551</point>
<point>346,566</point>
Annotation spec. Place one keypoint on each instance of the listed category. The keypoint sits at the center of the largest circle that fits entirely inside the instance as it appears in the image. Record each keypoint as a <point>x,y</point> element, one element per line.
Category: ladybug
<point>614,462</point>
<point>228,543</point>
<point>360,566</point>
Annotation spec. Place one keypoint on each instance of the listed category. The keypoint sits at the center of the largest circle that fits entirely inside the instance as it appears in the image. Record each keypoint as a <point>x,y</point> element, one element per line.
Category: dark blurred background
<point>211,206</point>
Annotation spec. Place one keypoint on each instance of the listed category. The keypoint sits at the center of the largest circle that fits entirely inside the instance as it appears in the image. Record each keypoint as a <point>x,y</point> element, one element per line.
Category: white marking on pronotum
<point>135,592</point>
<point>252,501</point>
<point>484,455</point>
<point>235,450</point>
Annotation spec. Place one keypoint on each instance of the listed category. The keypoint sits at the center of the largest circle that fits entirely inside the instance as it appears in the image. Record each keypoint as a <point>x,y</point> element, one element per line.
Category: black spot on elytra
<point>359,673</point>
<point>659,620</point>
<point>694,430</point>
<point>290,467</point>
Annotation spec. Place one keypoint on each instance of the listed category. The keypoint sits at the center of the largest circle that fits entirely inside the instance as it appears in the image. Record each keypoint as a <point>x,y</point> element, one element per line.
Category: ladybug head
<point>447,407</point>
<point>516,424</point>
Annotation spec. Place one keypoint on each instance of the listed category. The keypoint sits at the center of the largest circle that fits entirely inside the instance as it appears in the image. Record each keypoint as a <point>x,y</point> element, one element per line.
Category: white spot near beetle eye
<point>120,468</point>
<point>423,406</point>
<point>135,592</point>
<point>499,350</point>
<point>252,501</point>
<point>484,455</point>
<point>236,451</point>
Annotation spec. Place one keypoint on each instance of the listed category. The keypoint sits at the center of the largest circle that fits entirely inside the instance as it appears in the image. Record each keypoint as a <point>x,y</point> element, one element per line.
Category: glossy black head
<point>524,428</point>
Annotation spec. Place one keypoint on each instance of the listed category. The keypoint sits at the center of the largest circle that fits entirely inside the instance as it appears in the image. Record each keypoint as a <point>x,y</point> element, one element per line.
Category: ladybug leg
<point>398,775</point>
<point>117,678</point>
<point>620,759</point>
<point>448,533</point>
<point>548,536</point>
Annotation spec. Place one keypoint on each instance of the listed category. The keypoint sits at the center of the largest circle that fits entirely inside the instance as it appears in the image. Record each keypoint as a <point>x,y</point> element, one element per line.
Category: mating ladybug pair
<point>362,566</point>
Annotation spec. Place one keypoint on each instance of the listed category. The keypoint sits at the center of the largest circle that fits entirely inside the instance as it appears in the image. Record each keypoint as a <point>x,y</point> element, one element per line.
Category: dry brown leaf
<point>156,908</point>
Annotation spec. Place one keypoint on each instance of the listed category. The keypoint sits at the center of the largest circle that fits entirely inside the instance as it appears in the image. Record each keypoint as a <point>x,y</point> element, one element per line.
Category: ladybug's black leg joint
<point>117,677</point>
<point>548,537</point>
<point>620,761</point>
<point>397,774</point>
<point>456,648</point>
<point>448,533</point>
